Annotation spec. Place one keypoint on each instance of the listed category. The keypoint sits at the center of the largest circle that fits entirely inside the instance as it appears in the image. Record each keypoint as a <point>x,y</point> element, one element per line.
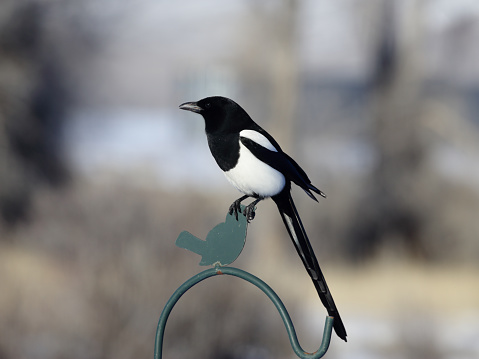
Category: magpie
<point>254,163</point>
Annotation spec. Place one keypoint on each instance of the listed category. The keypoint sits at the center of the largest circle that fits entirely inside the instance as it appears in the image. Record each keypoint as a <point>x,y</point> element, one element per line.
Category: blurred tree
<point>393,205</point>
<point>271,75</point>
<point>33,100</point>
<point>283,72</point>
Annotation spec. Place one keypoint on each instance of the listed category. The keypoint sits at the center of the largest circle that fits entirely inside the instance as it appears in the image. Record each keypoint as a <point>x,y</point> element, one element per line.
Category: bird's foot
<point>236,206</point>
<point>248,212</point>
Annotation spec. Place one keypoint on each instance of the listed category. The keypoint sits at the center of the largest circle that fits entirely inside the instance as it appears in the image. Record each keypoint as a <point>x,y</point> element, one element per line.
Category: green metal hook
<point>328,326</point>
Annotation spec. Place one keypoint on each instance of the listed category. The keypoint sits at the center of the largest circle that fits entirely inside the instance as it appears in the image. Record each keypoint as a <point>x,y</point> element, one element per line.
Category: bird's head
<point>218,112</point>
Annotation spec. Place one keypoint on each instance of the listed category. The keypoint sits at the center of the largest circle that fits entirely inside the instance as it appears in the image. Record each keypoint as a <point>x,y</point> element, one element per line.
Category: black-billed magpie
<point>254,163</point>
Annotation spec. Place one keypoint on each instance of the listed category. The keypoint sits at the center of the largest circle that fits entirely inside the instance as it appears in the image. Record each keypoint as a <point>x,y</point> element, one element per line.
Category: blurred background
<point>100,172</point>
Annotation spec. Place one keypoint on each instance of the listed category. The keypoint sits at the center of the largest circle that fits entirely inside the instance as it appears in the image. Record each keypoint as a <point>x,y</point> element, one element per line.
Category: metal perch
<point>222,246</point>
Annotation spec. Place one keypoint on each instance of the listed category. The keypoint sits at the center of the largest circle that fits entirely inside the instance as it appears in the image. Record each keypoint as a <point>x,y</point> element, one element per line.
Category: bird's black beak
<point>191,106</point>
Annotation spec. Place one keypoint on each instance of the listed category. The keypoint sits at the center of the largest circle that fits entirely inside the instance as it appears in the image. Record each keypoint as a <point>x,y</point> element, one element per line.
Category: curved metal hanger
<point>218,270</point>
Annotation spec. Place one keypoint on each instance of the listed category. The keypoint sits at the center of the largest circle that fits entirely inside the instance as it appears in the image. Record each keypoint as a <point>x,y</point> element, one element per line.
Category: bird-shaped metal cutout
<point>223,243</point>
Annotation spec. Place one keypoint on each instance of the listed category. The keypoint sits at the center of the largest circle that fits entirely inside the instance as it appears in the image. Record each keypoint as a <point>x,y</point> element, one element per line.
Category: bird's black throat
<point>225,149</point>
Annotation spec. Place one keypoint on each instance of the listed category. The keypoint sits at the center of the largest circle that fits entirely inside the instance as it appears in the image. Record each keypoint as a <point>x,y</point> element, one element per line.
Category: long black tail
<point>296,231</point>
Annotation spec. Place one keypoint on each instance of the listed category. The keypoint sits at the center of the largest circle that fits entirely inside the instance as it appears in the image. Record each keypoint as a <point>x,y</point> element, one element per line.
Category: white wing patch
<point>259,138</point>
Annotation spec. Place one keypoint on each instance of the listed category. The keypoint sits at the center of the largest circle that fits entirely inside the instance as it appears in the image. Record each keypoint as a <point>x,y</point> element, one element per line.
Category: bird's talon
<point>234,209</point>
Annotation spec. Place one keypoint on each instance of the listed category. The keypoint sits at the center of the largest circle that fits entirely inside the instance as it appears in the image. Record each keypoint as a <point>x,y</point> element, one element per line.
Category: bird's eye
<point>207,105</point>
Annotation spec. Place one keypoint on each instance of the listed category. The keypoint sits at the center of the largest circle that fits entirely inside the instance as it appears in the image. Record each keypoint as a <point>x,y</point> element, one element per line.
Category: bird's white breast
<point>252,176</point>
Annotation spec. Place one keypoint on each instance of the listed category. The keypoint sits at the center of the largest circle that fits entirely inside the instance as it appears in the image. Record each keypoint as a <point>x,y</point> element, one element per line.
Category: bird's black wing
<point>281,162</point>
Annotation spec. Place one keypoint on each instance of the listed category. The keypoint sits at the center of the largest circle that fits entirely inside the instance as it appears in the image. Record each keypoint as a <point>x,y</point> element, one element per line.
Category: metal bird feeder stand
<point>222,246</point>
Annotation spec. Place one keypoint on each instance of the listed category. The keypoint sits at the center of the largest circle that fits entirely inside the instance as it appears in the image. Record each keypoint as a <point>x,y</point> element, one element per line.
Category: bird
<point>254,163</point>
